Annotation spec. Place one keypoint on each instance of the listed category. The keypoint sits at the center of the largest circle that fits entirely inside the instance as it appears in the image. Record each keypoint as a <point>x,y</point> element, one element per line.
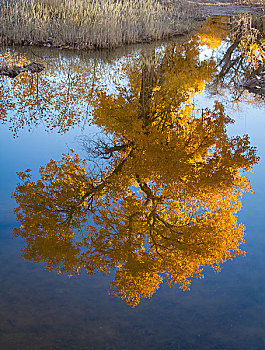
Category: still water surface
<point>42,119</point>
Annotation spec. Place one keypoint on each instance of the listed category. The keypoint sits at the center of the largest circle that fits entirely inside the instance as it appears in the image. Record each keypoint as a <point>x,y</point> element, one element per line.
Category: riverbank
<point>210,8</point>
<point>98,24</point>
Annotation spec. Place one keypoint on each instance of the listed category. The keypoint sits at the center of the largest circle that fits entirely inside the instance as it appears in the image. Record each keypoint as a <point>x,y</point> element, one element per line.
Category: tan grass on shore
<point>91,23</point>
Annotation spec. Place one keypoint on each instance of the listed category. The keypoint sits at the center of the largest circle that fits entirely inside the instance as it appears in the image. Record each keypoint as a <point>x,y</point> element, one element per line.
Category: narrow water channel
<point>144,227</point>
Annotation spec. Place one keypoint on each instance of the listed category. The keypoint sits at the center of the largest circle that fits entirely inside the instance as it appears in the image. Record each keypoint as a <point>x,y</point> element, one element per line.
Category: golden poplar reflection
<point>163,204</point>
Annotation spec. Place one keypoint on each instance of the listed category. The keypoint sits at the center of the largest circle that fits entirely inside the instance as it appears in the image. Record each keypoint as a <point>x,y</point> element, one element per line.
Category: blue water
<point>42,310</point>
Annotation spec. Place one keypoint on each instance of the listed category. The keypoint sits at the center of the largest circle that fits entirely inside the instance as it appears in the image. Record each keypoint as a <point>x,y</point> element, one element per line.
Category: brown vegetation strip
<point>88,24</point>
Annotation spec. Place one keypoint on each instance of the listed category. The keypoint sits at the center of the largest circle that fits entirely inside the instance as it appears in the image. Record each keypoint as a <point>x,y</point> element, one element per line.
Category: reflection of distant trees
<point>163,204</point>
<point>57,98</point>
<point>244,55</point>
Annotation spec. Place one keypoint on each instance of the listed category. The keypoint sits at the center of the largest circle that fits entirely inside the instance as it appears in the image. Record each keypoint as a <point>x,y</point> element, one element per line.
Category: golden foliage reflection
<point>162,205</point>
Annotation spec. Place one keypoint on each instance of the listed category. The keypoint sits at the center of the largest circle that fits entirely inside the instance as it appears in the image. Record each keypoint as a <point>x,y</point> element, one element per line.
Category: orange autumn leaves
<point>163,205</point>
<point>214,31</point>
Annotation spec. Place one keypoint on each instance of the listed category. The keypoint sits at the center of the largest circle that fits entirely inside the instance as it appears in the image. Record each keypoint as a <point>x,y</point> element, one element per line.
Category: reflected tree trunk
<point>147,83</point>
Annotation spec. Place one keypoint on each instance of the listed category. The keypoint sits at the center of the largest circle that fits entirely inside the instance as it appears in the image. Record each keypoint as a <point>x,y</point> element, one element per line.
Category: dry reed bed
<point>91,23</point>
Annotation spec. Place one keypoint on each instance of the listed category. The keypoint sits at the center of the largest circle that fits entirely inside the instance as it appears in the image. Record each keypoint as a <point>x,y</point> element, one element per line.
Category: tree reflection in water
<point>242,55</point>
<point>162,204</point>
<point>54,98</point>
